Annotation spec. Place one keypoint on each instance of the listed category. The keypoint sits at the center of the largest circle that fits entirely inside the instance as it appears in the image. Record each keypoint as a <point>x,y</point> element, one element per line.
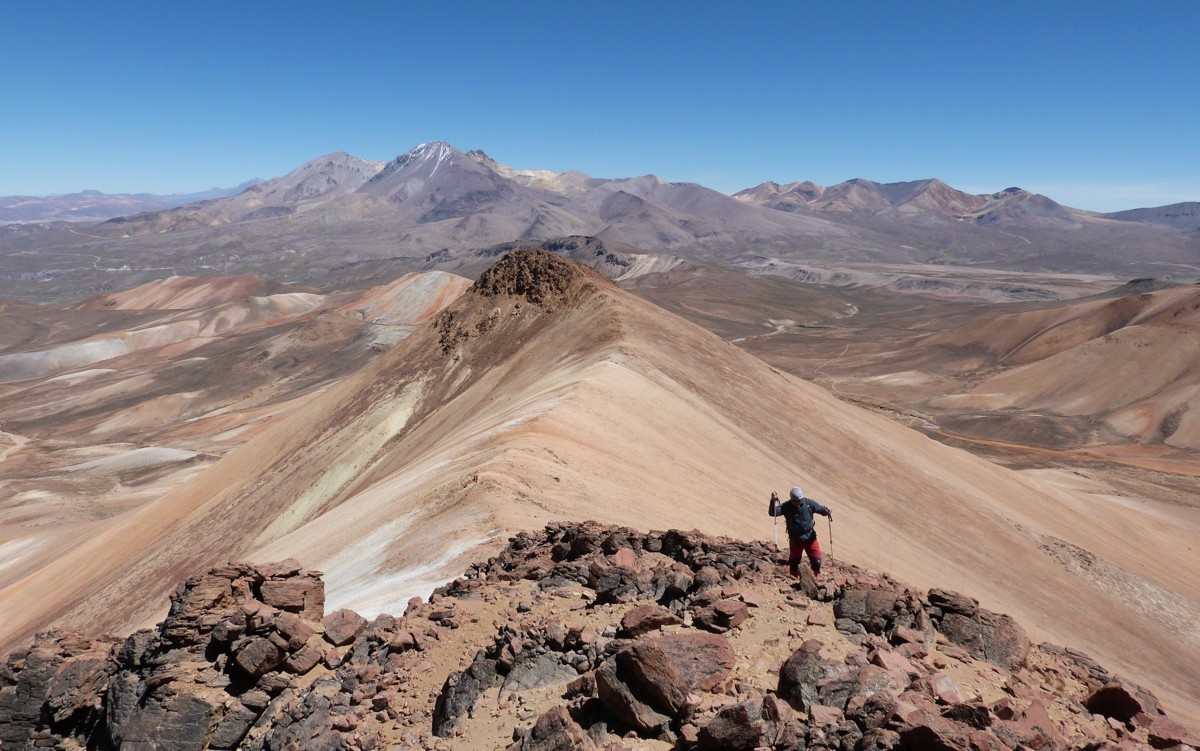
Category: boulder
<point>294,629</point>
<point>953,602</point>
<point>647,617</point>
<point>800,673</point>
<point>649,683</point>
<point>936,734</point>
<point>307,657</point>
<point>232,727</point>
<point>625,557</point>
<point>705,661</point>
<point>343,626</point>
<point>179,718</point>
<point>1163,733</point>
<point>861,683</point>
<point>298,594</point>
<point>735,728</point>
<point>989,636</point>
<point>722,615</point>
<point>625,706</point>
<point>870,607</point>
<point>652,675</point>
<point>1122,701</point>
<point>257,657</point>
<point>825,717</point>
<point>554,730</point>
<point>878,739</point>
<point>460,692</point>
<point>894,663</point>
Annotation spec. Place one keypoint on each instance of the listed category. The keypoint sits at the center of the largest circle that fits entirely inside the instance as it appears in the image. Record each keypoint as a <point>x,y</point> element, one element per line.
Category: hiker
<point>798,512</point>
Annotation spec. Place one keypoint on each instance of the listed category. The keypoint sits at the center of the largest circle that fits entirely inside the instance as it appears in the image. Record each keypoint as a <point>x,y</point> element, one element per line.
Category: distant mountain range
<point>92,205</point>
<point>332,214</point>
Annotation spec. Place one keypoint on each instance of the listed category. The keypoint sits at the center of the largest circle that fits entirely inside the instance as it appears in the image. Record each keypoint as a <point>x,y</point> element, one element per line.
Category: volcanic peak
<point>542,277</point>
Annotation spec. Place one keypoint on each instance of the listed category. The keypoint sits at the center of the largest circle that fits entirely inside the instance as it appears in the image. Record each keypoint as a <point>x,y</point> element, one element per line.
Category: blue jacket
<point>799,516</point>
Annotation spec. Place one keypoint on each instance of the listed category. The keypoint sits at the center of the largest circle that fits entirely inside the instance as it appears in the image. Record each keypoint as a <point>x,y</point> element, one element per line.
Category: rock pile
<point>583,637</point>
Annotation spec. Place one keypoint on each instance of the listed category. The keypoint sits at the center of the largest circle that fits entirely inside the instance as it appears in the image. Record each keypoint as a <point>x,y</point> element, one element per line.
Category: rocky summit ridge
<point>580,636</point>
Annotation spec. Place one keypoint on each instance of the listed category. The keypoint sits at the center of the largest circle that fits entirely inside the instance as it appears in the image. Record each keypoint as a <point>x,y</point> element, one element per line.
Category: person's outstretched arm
<point>819,509</point>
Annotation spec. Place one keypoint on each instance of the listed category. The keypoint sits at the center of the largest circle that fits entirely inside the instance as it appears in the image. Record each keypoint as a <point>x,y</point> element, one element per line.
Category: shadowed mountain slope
<point>547,393</point>
<point>1184,217</point>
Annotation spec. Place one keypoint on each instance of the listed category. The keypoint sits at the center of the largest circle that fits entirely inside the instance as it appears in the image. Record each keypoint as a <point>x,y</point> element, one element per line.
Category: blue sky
<point>1094,104</point>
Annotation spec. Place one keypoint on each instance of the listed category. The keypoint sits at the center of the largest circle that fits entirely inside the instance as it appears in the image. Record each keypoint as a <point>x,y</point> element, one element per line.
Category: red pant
<point>797,550</point>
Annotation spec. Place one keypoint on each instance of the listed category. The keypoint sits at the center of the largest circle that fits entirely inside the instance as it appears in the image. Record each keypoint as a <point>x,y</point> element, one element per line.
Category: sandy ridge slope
<point>555,395</point>
<point>1094,358</point>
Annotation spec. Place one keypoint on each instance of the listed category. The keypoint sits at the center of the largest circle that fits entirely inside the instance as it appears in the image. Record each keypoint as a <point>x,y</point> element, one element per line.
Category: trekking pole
<point>774,500</point>
<point>830,520</point>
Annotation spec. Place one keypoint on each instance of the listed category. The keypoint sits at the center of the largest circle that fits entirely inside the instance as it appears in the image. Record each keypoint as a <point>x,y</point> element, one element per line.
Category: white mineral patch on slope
<point>80,376</point>
<point>21,365</point>
<point>137,459</point>
<point>640,265</point>
<point>15,551</point>
<point>358,578</point>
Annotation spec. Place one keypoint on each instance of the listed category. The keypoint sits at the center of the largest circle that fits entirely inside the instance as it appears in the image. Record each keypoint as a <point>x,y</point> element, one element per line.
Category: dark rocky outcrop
<point>987,636</point>
<point>636,633</point>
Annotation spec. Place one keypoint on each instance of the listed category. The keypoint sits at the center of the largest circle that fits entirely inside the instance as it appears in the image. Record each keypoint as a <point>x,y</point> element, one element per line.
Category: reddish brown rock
<point>855,687</point>
<point>736,728</point>
<point>257,657</point>
<point>625,557</point>
<point>294,629</point>
<point>343,626</point>
<point>824,717</point>
<point>902,635</point>
<point>953,602</point>
<point>945,689</point>
<point>1121,700</point>
<point>704,660</point>
<point>280,569</point>
<point>895,664</point>
<point>989,636</point>
<point>647,617</point>
<point>299,594</point>
<point>800,674</point>
<point>307,657</point>
<point>621,700</point>
<point>871,607</point>
<point>937,734</point>
<point>754,598</point>
<point>650,682</point>
<point>1164,733</point>
<point>722,615</point>
<point>1032,728</point>
<point>554,730</point>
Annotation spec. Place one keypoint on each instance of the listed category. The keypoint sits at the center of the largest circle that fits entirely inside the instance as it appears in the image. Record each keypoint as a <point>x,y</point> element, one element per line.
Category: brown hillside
<point>557,396</point>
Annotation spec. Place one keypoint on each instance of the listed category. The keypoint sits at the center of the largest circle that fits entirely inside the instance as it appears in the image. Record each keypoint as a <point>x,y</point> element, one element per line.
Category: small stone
<point>945,689</point>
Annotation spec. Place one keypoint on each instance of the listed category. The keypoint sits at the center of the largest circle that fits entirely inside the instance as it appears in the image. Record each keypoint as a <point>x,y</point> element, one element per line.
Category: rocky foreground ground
<point>578,637</point>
